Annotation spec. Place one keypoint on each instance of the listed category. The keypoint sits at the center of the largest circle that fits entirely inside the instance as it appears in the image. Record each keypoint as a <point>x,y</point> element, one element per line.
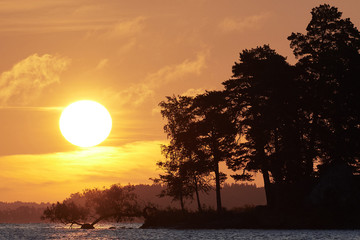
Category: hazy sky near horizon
<point>127,55</point>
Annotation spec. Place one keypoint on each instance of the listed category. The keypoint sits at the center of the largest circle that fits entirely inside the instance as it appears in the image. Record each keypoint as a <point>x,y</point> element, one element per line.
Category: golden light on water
<point>85,123</point>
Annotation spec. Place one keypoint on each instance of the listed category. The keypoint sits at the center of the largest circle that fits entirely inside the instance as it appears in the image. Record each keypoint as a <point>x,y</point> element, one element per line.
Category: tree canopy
<point>93,205</point>
<point>288,122</point>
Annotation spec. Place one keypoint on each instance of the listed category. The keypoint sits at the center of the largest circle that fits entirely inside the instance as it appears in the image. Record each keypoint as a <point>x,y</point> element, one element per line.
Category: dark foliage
<point>115,203</point>
<point>329,65</point>
<point>296,125</point>
<point>188,164</point>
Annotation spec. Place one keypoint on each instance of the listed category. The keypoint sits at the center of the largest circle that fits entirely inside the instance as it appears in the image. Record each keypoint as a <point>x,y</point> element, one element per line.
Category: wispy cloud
<point>126,28</point>
<point>136,94</point>
<point>30,108</point>
<point>242,24</point>
<point>38,16</point>
<point>23,5</point>
<point>193,92</point>
<point>26,80</point>
<point>102,63</point>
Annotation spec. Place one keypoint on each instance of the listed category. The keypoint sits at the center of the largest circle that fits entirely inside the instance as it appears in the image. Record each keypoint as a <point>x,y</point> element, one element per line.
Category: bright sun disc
<point>85,123</point>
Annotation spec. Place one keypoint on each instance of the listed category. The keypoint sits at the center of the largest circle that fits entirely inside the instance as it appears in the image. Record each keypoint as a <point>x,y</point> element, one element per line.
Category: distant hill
<point>233,195</point>
<point>21,212</point>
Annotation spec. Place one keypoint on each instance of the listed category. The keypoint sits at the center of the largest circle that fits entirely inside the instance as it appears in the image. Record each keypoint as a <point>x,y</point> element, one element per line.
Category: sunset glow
<point>127,56</point>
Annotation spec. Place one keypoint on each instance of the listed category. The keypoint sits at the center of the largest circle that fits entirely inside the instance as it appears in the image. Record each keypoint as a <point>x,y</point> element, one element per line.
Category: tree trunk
<point>217,180</point>
<point>74,223</point>
<point>265,172</point>
<point>91,226</point>
<point>182,203</point>
<point>197,193</point>
<point>311,151</point>
<point>267,186</point>
<point>101,218</point>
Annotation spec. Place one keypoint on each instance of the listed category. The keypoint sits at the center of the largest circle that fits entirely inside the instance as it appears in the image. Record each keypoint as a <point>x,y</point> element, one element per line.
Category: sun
<point>85,123</point>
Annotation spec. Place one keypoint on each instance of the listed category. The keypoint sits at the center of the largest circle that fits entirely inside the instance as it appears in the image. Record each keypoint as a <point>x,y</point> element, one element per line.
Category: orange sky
<point>127,55</point>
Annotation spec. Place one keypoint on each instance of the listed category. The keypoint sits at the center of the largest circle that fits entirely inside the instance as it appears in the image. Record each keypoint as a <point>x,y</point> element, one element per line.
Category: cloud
<point>190,93</point>
<point>127,46</point>
<point>31,108</point>
<point>194,92</point>
<point>40,16</point>
<point>240,25</point>
<point>26,80</point>
<point>156,110</point>
<point>126,28</point>
<point>125,33</point>
<point>102,64</point>
<point>20,6</point>
<point>113,29</point>
<point>136,94</point>
<point>45,16</point>
<point>171,73</point>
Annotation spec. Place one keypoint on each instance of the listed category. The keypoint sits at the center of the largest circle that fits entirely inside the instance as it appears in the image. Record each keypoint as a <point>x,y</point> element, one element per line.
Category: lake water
<point>132,231</point>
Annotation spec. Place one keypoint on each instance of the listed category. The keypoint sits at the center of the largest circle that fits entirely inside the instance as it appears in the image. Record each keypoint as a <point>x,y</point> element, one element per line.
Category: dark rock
<point>87,226</point>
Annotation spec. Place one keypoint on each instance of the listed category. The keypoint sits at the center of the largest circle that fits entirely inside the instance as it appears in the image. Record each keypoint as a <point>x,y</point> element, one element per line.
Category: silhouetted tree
<point>263,98</point>
<point>186,169</point>
<point>275,118</point>
<point>66,212</point>
<point>175,177</point>
<point>215,134</point>
<point>290,117</point>
<point>329,60</point>
<point>115,203</point>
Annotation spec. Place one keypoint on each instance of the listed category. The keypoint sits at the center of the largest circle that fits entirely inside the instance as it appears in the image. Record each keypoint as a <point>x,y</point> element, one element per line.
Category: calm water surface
<point>132,231</point>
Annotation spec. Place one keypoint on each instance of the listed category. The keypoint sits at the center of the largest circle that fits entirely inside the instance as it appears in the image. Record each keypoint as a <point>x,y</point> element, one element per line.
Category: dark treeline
<point>298,125</point>
<point>123,203</point>
<point>234,196</point>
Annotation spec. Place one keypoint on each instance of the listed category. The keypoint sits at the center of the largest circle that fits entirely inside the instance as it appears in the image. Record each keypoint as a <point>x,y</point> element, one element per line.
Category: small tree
<point>175,177</point>
<point>186,168</point>
<point>216,135</point>
<point>116,203</point>
<point>66,212</point>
